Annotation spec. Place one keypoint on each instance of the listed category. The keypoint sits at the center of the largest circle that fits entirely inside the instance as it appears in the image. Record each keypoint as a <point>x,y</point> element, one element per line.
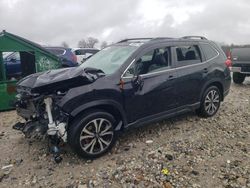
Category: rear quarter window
<point>209,51</point>
<point>187,55</point>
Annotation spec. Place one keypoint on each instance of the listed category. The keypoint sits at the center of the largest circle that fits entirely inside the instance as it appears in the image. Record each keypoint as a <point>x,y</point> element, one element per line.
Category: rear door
<point>192,71</point>
<point>155,93</point>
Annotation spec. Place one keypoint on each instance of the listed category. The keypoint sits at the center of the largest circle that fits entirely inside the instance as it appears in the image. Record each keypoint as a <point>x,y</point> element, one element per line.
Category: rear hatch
<point>241,58</point>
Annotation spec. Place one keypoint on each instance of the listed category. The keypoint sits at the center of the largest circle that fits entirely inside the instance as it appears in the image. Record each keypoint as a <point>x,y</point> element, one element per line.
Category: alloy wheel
<point>96,136</point>
<point>212,102</point>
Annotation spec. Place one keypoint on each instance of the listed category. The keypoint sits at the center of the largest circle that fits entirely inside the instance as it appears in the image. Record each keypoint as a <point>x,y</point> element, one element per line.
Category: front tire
<point>238,78</point>
<point>92,134</point>
<point>210,102</point>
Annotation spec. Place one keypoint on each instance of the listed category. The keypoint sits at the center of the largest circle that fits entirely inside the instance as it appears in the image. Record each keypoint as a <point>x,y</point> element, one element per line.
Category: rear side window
<point>209,51</point>
<point>188,54</point>
<point>78,52</point>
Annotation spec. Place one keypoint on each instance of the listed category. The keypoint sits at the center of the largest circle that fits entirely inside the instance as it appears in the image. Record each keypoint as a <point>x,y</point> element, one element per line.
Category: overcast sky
<point>54,21</point>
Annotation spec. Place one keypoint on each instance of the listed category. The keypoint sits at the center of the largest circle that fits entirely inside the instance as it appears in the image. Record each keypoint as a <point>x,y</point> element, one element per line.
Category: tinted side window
<point>209,51</point>
<point>188,53</point>
<point>78,52</point>
<point>152,61</point>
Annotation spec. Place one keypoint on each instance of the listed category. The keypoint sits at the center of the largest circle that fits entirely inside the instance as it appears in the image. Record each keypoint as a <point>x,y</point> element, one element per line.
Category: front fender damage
<point>45,121</point>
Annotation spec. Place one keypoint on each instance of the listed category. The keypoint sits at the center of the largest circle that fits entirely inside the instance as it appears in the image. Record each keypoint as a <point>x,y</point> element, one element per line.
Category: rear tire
<point>92,134</point>
<point>238,78</point>
<point>210,102</point>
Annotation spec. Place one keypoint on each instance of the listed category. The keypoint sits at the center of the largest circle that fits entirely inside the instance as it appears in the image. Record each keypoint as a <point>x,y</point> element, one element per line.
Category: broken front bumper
<point>51,120</point>
<point>51,123</point>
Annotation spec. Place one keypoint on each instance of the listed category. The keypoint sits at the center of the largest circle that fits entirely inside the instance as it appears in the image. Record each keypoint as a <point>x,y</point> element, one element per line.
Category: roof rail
<point>193,37</point>
<point>134,39</point>
<point>158,38</point>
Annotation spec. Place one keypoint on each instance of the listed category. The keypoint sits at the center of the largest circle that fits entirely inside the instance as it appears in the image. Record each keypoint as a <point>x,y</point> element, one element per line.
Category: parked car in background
<point>12,64</point>
<point>130,83</point>
<point>20,57</point>
<point>12,60</point>
<point>83,54</point>
<point>240,64</point>
<point>68,58</point>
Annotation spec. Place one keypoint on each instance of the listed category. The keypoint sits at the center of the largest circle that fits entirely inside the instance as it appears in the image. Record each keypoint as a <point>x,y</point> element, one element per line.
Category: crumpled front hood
<point>54,80</point>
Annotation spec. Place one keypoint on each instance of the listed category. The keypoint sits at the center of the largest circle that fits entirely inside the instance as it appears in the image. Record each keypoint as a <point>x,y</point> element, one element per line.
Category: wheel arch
<point>216,83</point>
<point>109,106</point>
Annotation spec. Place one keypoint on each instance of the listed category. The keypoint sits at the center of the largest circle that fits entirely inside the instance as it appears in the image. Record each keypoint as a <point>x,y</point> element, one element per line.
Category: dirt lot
<point>194,152</point>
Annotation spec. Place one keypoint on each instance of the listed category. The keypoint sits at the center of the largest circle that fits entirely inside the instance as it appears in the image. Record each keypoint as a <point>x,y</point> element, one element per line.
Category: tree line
<point>89,42</point>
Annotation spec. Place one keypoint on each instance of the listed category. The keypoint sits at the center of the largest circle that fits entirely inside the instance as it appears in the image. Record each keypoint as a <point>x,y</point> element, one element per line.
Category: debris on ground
<point>185,151</point>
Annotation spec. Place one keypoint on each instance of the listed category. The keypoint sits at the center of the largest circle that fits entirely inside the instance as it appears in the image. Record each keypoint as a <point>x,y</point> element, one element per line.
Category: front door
<point>149,84</point>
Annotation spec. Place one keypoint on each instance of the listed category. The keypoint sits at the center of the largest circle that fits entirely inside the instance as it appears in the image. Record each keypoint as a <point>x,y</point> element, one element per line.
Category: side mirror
<point>137,82</point>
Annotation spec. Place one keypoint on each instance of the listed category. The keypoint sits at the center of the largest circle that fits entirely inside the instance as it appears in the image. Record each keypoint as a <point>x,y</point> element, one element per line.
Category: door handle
<point>170,77</point>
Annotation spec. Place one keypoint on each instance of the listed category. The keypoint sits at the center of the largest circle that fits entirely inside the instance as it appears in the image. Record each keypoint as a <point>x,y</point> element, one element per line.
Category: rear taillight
<point>228,63</point>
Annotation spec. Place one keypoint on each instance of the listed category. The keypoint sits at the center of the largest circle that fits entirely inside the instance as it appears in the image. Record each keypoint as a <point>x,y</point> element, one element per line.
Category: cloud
<point>52,22</point>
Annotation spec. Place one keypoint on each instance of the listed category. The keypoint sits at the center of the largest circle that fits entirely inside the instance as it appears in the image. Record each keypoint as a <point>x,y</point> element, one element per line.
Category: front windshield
<point>109,59</point>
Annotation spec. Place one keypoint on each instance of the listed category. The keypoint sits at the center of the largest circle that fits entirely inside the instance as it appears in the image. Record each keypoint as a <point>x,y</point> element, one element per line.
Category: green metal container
<point>35,59</point>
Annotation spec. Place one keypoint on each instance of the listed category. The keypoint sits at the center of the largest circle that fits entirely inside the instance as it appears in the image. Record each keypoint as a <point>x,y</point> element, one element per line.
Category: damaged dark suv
<point>128,84</point>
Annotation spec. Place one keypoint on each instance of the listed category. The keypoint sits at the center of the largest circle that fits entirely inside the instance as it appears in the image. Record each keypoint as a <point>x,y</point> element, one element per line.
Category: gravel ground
<point>186,151</point>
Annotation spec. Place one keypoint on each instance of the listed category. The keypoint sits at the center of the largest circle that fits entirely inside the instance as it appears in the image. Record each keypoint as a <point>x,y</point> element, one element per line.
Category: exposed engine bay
<point>37,103</point>
<point>42,112</point>
<point>42,118</point>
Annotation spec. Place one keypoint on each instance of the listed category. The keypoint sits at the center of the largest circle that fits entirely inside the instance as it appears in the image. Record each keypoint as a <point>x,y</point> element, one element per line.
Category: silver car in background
<point>83,54</point>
